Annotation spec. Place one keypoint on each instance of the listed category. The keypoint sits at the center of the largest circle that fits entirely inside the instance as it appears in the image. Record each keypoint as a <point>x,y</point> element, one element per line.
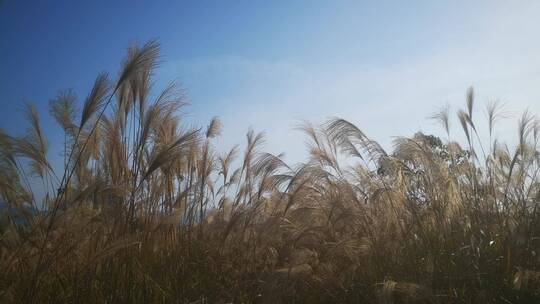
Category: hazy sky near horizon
<point>268,64</point>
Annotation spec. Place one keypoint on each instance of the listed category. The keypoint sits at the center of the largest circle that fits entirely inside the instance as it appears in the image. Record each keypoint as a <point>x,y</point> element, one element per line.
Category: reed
<point>147,209</point>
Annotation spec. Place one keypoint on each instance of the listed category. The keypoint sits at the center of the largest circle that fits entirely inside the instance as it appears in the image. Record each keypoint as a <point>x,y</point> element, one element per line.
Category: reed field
<point>147,208</point>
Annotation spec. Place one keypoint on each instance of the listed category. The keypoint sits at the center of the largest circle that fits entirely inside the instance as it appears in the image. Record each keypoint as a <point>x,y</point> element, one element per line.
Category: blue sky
<point>268,64</point>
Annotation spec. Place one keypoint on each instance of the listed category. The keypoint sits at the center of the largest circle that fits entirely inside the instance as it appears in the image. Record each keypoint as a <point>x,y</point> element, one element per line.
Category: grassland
<point>148,210</point>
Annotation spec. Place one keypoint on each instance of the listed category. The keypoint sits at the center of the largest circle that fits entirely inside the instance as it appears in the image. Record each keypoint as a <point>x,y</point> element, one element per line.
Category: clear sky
<point>267,64</point>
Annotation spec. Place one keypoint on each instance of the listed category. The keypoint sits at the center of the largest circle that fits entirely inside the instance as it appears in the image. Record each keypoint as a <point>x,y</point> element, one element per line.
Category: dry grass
<point>147,210</point>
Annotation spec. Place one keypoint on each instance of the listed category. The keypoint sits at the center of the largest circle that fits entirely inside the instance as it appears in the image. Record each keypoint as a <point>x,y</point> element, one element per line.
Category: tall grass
<point>147,209</point>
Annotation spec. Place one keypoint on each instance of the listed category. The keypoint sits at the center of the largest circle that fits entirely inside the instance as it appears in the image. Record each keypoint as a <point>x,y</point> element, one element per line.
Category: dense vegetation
<point>149,210</point>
